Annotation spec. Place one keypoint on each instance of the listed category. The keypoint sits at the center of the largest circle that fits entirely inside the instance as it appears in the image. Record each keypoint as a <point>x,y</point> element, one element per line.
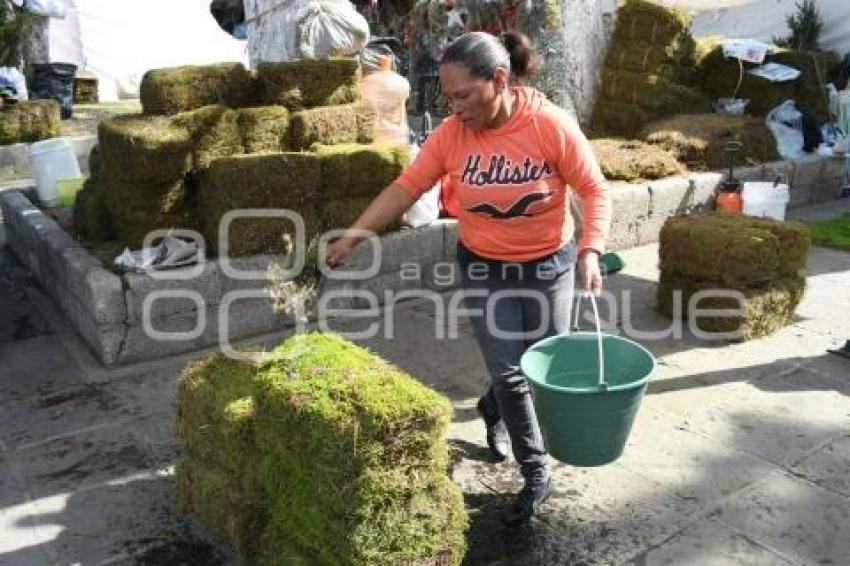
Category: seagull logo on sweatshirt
<point>516,210</point>
<point>504,172</point>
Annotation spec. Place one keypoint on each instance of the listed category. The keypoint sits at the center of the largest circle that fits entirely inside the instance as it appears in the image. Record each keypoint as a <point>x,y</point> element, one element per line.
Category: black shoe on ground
<point>498,439</point>
<point>527,503</point>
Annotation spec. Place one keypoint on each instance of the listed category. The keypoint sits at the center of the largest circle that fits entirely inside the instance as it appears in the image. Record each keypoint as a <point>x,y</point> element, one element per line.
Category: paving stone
<point>693,467</point>
<point>794,517</point>
<point>126,521</point>
<point>85,458</point>
<point>596,515</point>
<point>829,466</point>
<point>706,543</point>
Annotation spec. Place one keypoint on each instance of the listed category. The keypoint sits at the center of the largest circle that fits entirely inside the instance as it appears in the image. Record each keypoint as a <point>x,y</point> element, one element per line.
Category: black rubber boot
<point>528,502</point>
<point>498,439</point>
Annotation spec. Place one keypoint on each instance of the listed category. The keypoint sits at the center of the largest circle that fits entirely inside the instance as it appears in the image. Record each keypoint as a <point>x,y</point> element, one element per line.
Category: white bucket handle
<point>602,384</point>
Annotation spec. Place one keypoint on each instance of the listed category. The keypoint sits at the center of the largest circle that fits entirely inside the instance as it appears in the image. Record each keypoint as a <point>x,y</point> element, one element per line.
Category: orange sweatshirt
<point>512,181</point>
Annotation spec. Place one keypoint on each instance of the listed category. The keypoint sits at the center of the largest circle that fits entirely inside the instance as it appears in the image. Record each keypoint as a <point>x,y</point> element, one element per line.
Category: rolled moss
<point>733,251</point>
<point>346,463</point>
<point>309,83</point>
<point>291,181</point>
<point>697,140</point>
<point>264,129</point>
<point>180,89</point>
<point>765,309</point>
<point>29,121</point>
<point>214,131</point>
<point>629,160</point>
<point>330,125</point>
<point>143,149</point>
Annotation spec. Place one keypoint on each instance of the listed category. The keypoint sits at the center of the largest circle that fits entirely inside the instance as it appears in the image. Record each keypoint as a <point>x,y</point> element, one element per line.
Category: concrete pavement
<point>740,453</point>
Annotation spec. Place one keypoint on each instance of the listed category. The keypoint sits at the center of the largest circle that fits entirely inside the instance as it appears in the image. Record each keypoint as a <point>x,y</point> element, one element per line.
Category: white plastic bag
<point>331,28</point>
<point>47,8</point>
<point>786,124</point>
<point>425,210</point>
<point>13,76</point>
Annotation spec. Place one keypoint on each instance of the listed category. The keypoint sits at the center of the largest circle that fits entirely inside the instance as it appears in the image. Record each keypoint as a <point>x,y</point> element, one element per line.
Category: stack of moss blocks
<point>213,139</point>
<point>763,259</point>
<point>29,121</point>
<point>648,71</point>
<point>323,453</point>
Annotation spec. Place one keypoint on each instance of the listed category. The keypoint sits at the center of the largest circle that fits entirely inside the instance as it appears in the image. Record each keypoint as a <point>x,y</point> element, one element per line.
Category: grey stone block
<point>137,286</point>
<point>260,264</point>
<point>806,170</point>
<point>14,161</point>
<point>450,238</point>
<point>703,189</point>
<point>630,209</point>
<point>248,317</point>
<point>104,339</point>
<point>419,245</point>
<point>348,294</point>
<point>142,345</point>
<point>667,197</point>
<point>800,195</point>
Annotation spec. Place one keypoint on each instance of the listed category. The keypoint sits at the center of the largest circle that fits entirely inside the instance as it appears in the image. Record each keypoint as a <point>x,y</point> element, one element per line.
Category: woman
<point>510,154</point>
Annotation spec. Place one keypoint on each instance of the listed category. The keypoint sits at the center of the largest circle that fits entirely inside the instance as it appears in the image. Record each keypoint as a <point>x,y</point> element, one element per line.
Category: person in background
<point>513,159</point>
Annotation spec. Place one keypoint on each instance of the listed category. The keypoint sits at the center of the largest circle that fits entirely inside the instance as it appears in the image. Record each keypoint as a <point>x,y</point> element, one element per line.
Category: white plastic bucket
<point>765,199</point>
<point>52,160</point>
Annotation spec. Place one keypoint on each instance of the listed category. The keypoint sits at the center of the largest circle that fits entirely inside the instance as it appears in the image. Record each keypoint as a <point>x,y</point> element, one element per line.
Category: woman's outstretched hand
<point>338,251</point>
<point>589,272</point>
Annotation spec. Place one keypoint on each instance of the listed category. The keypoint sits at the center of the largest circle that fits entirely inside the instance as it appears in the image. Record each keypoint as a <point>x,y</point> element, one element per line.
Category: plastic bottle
<point>388,92</point>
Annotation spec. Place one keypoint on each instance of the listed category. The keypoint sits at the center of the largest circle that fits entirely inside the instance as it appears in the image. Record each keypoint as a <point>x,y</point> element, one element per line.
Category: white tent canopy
<point>765,19</point>
<point>119,40</point>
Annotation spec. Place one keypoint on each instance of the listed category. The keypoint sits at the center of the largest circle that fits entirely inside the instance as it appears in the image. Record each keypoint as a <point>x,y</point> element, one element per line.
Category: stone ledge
<point>107,309</point>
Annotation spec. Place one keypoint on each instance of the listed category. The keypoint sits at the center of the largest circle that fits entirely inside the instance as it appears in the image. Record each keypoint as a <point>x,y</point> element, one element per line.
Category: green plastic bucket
<point>587,387</point>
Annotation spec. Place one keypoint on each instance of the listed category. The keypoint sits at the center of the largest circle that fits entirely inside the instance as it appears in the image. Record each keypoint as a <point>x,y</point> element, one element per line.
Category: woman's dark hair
<point>481,53</point>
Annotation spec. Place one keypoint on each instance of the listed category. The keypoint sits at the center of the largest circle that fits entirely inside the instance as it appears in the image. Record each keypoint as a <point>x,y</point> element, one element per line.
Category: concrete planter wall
<point>212,306</point>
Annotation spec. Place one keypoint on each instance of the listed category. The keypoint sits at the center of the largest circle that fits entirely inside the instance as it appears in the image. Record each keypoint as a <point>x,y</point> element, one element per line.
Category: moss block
<point>330,125</point>
<point>29,121</point>
<point>143,149</point>
<point>674,61</point>
<point>290,181</point>
<point>215,411</point>
<point>629,160</point>
<point>223,502</point>
<point>733,251</point>
<point>653,93</point>
<point>264,129</point>
<point>179,89</point>
<point>360,170</point>
<point>697,140</point>
<point>362,448</point>
<point>214,131</point>
<point>647,21</point>
<point>617,118</point>
<point>309,83</point>
<point>765,309</point>
<point>718,77</point>
<point>91,219</point>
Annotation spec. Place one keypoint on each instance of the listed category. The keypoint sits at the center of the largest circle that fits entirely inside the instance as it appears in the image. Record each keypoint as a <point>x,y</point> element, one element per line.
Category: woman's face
<point>475,101</point>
